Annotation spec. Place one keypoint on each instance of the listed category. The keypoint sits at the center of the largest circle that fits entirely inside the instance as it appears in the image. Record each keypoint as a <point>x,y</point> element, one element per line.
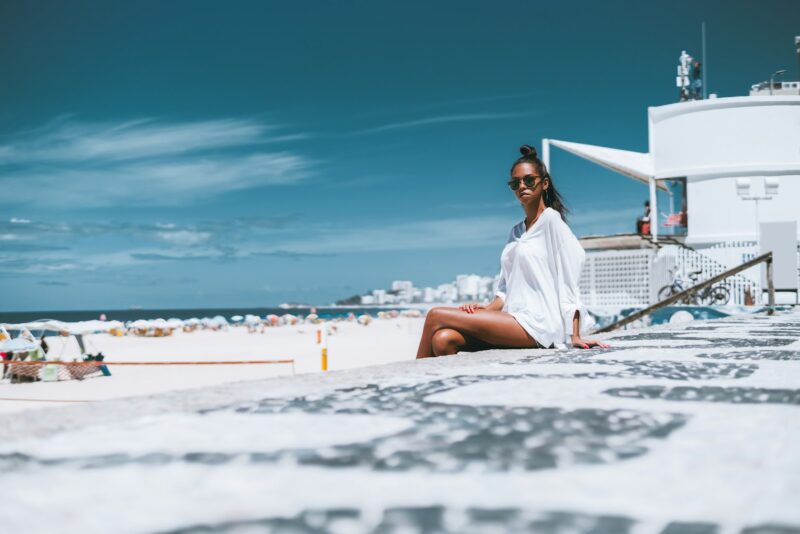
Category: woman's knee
<point>446,341</point>
<point>436,315</point>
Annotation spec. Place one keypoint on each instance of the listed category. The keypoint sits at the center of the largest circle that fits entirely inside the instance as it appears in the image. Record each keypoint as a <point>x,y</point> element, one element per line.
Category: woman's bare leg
<point>495,328</point>
<point>447,341</point>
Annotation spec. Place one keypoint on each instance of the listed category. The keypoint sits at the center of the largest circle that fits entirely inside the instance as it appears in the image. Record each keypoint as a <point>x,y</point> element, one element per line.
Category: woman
<point>537,302</point>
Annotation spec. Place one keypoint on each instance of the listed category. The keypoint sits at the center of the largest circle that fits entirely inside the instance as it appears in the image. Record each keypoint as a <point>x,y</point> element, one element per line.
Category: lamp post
<point>771,184</point>
<point>773,76</point>
<point>797,47</point>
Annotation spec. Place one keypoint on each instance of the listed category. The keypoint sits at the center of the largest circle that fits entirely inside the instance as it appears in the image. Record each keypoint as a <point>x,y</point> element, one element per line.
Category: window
<point>673,217</point>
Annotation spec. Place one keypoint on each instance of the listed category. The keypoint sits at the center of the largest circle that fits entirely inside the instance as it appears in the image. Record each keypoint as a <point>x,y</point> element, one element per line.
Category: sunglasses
<point>529,180</point>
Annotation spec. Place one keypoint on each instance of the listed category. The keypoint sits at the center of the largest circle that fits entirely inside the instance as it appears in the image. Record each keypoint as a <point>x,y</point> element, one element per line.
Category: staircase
<point>685,260</point>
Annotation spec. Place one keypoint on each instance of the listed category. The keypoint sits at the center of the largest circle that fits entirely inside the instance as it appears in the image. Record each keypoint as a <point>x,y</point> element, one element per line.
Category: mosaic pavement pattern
<point>676,429</point>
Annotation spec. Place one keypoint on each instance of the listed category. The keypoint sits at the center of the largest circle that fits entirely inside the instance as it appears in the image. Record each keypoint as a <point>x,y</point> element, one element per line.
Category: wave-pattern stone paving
<point>674,429</point>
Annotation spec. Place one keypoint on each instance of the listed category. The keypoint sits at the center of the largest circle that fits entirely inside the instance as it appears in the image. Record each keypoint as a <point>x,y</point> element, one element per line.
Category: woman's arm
<point>576,335</point>
<point>496,305</point>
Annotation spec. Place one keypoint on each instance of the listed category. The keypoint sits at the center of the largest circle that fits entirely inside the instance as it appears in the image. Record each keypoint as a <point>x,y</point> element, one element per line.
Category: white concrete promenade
<point>690,428</point>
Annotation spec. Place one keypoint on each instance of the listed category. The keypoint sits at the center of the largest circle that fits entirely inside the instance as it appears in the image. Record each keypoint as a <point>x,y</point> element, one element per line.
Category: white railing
<point>634,277</point>
<point>616,277</point>
<point>716,260</point>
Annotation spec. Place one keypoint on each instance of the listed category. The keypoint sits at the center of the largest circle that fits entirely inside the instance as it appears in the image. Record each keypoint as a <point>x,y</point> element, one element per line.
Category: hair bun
<point>528,151</point>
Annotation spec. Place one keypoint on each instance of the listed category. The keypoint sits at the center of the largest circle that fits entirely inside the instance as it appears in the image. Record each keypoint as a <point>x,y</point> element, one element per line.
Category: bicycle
<point>716,295</point>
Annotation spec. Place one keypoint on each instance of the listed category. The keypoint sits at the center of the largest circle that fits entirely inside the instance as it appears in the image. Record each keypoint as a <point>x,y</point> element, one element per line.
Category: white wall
<point>717,213</point>
<point>726,136</point>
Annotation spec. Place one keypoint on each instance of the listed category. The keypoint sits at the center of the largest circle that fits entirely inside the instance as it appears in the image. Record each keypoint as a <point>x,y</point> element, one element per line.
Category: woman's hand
<point>471,308</point>
<point>588,343</point>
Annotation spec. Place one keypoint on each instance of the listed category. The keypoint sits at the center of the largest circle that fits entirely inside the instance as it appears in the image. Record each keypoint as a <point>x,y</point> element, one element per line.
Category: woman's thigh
<point>495,328</point>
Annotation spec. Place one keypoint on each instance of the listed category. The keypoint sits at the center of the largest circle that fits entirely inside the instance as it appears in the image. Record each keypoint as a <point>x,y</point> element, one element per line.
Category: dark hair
<point>552,198</point>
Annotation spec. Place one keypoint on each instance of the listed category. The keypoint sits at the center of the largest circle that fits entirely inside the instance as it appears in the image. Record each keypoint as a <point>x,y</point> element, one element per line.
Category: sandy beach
<point>351,345</point>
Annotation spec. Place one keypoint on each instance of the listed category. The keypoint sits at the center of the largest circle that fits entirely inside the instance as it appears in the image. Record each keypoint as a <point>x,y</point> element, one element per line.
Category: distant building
<point>468,286</point>
<point>380,296</point>
<point>402,285</point>
<point>446,293</point>
<point>428,294</point>
<point>486,288</point>
<point>404,289</point>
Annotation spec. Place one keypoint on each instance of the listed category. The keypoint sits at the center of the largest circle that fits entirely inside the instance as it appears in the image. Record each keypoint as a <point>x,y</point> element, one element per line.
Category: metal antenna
<point>797,45</point>
<point>705,65</point>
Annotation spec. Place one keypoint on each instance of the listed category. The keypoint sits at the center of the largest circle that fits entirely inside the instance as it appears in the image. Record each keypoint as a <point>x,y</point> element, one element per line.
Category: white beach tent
<point>63,327</point>
<point>18,344</point>
<point>26,340</point>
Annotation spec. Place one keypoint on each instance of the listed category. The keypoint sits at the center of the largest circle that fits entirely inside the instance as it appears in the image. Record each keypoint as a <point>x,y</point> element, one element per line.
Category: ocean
<point>603,316</point>
<point>185,313</point>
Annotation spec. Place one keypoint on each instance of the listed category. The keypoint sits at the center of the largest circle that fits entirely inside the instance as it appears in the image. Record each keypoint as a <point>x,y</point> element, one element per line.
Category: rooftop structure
<point>697,151</point>
<point>718,171</point>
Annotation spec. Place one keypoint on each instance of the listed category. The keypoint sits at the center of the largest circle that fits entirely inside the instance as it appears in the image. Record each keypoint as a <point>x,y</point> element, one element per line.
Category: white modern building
<point>468,286</point>
<point>380,296</point>
<point>722,174</point>
<point>446,293</point>
<point>428,295</point>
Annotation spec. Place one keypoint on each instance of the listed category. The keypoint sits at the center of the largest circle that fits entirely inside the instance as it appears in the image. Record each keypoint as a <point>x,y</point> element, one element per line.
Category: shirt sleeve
<point>570,258</point>
<point>501,286</point>
<point>501,283</point>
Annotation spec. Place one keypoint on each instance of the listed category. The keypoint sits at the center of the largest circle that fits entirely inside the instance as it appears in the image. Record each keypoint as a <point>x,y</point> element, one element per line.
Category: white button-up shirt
<point>539,272</point>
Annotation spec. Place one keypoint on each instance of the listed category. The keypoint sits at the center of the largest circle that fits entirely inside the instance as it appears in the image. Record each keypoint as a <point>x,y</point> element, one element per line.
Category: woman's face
<point>529,195</point>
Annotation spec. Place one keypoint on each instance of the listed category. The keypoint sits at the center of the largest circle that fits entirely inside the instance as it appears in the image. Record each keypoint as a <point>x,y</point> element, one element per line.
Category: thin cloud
<point>68,141</point>
<point>184,237</point>
<point>289,254</point>
<point>438,234</point>
<point>443,119</point>
<point>143,162</point>
<point>152,256</point>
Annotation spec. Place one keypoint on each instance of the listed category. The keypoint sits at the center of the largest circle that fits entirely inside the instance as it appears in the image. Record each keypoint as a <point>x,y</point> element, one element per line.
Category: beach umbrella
<point>237,318</point>
<point>159,323</point>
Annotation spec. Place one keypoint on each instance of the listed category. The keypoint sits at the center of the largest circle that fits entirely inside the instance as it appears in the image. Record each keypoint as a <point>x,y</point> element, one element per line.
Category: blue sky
<point>195,154</point>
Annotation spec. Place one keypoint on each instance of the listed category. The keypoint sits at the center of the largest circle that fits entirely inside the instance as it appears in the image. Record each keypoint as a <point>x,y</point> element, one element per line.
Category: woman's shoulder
<point>555,223</point>
<point>516,232</point>
<point>554,217</point>
<point>551,213</point>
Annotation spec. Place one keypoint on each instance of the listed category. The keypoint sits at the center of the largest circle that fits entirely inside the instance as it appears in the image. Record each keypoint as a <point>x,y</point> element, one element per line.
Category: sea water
<point>603,315</point>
